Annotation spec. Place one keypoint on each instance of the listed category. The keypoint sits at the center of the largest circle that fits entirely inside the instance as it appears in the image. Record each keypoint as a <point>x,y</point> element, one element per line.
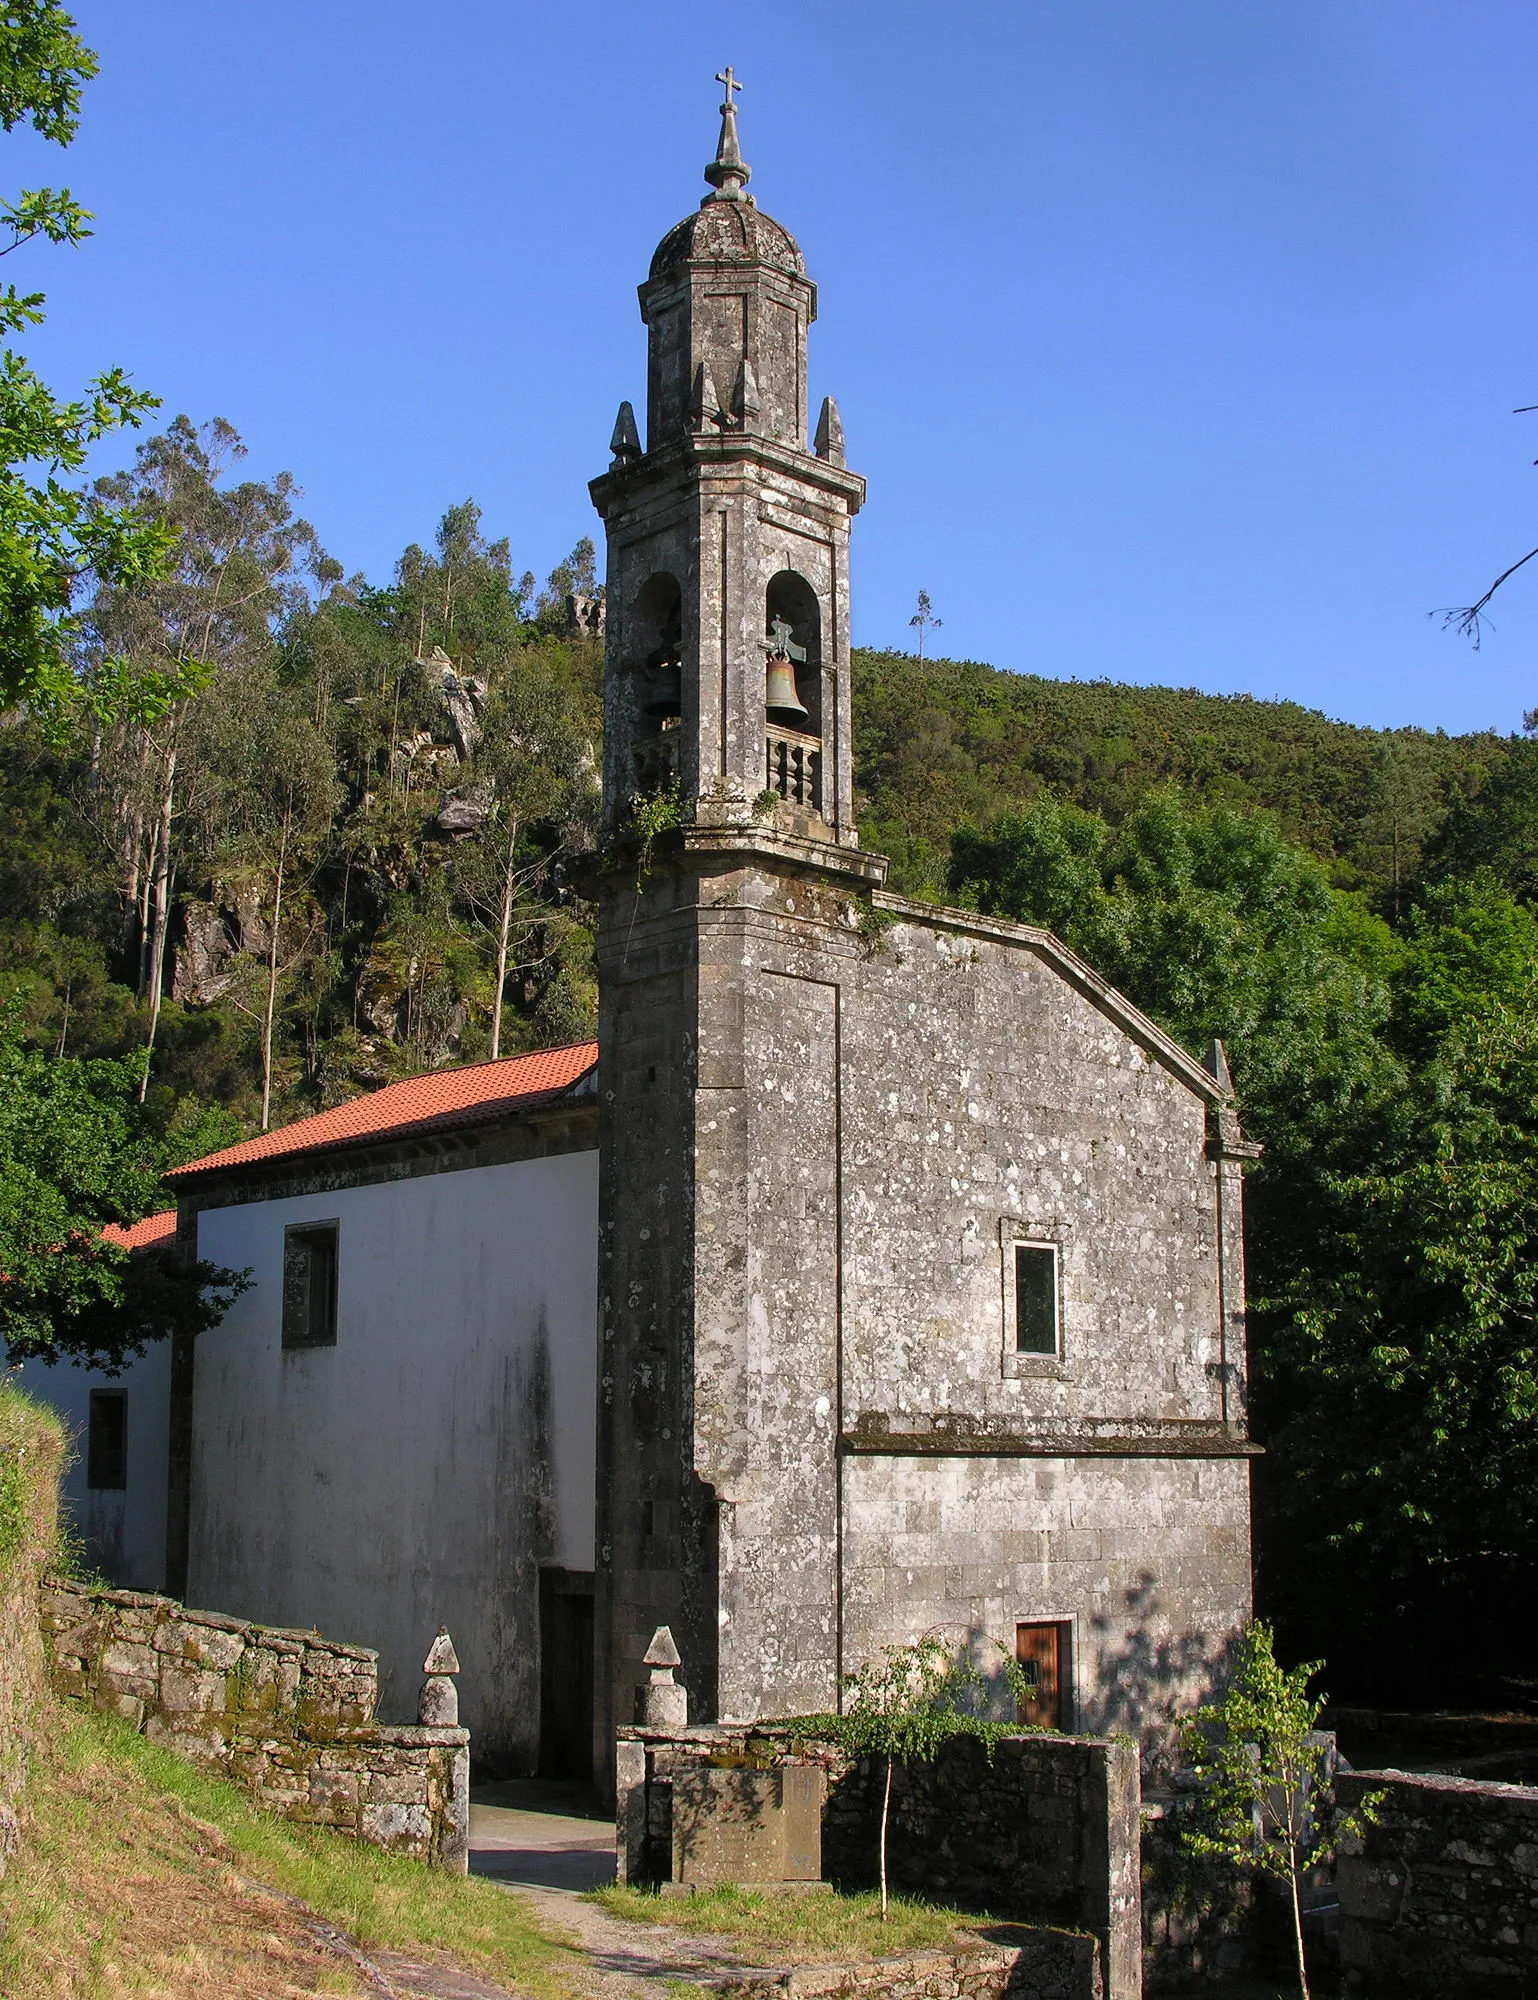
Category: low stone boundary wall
<point>288,1714</point>
<point>1051,1965</point>
<point>1441,1895</point>
<point>1047,1834</point>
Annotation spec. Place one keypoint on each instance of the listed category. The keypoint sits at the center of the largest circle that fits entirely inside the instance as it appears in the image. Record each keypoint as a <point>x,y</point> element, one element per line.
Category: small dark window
<point>1036,1298</point>
<point>309,1285</point>
<point>106,1451</point>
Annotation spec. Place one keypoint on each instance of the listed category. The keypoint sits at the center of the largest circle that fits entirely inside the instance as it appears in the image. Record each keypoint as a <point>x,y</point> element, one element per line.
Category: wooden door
<point>566,1674</point>
<point>1042,1651</point>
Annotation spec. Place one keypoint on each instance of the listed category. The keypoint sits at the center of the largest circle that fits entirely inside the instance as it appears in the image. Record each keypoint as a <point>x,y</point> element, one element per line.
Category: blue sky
<point>1178,339</point>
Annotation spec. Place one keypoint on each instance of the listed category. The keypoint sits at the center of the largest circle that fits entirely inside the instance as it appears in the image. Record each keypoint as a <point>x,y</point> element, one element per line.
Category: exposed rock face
<point>465,810</point>
<point>215,929</point>
<point>464,697</point>
<point>584,616</point>
<point>200,973</point>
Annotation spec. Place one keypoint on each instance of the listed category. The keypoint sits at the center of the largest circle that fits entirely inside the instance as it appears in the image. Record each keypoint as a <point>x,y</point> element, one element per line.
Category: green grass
<point>817,1925</point>
<point>104,1784</point>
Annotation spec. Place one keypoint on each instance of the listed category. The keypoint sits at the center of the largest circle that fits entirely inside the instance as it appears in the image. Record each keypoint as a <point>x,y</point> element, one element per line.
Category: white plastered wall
<point>121,1531</point>
<point>420,1472</point>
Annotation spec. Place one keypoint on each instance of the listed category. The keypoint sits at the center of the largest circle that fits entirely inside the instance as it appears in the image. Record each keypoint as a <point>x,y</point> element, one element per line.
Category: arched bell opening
<point>657,648</point>
<point>793,645</point>
<point>655,643</point>
<point>793,694</point>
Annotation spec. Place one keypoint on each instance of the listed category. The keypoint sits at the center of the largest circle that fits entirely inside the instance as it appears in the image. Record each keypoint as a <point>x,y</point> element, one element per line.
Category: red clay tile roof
<point>146,1235</point>
<point>441,1101</point>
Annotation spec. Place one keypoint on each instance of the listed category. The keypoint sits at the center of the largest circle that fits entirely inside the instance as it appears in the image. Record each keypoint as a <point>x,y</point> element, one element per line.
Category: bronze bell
<point>665,692</point>
<point>780,697</point>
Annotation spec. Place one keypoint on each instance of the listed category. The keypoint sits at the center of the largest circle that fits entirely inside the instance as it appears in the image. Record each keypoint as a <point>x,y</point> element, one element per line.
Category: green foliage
<point>55,539</point>
<point>906,1705</point>
<point>76,1152</point>
<point>944,743</point>
<point>1265,1801</point>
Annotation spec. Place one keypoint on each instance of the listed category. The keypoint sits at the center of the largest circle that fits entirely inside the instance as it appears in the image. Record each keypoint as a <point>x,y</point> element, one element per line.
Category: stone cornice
<point>699,456</point>
<point>953,1435</point>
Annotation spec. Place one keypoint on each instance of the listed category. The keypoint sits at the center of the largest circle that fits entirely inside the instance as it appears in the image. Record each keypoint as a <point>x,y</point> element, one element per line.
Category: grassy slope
<point>137,1876</point>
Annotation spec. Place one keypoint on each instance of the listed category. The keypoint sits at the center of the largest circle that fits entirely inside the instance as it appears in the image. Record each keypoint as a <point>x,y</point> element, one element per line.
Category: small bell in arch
<point>664,685</point>
<point>780,697</point>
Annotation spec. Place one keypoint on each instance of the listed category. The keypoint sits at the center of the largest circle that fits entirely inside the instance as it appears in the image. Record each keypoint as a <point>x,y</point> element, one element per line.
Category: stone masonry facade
<point>287,1714</point>
<point>830,1119</point>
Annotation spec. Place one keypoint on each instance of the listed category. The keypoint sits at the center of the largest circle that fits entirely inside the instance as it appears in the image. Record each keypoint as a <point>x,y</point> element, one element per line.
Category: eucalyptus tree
<point>244,563</point>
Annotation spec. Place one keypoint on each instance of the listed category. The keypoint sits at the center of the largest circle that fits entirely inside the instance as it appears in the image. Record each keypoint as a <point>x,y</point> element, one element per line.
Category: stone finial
<point>1217,1062</point>
<point>441,1657</point>
<point>745,394</point>
<point>704,400</point>
<point>625,444</point>
<point>829,441</point>
<point>663,1704</point>
<point>662,1655</point>
<point>438,1703</point>
<point>728,173</point>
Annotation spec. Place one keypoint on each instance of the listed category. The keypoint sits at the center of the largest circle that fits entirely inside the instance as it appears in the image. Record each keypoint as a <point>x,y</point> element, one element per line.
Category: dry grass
<point>138,1874</point>
<point>800,1928</point>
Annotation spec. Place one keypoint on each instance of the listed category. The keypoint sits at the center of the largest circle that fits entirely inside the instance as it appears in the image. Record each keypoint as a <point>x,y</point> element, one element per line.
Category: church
<point>878,1272</point>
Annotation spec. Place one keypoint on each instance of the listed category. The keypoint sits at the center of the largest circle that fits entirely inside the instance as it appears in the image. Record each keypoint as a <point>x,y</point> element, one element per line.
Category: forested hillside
<point>348,857</point>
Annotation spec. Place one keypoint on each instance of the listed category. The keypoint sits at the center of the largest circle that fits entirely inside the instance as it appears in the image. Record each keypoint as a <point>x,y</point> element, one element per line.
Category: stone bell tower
<point>727,723</point>
<point>728,574</point>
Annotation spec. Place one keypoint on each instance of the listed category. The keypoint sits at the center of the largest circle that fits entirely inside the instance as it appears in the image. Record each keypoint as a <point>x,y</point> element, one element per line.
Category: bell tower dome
<point>727,673</point>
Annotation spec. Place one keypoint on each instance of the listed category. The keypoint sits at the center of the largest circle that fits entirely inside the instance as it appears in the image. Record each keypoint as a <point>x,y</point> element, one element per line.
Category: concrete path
<point>533,1835</point>
<point>541,1841</point>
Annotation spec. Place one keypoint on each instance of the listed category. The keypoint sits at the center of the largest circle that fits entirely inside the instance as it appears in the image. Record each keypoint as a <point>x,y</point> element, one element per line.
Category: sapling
<point>905,1706</point>
<point>1265,1801</point>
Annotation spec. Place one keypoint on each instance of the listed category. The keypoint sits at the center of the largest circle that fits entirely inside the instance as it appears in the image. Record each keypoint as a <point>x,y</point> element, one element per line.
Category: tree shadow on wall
<point>1154,1678</point>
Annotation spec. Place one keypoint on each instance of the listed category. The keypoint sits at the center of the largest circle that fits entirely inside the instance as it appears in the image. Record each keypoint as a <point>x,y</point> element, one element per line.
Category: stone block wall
<point>1047,1831</point>
<point>1441,1895</point>
<point>1047,1835</point>
<point>1041,1965</point>
<point>31,1449</point>
<point>288,1714</point>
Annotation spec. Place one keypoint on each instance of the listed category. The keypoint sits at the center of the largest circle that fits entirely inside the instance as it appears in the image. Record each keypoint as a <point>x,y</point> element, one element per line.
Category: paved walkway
<point>543,1842</point>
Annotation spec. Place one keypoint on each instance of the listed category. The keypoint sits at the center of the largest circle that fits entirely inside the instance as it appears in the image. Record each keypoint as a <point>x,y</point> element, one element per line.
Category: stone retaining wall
<point>1046,1834</point>
<point>1441,1895</point>
<point>1049,1965</point>
<point>288,1714</point>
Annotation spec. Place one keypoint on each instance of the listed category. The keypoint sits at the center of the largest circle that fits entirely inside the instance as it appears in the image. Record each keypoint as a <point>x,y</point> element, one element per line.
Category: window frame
<point>298,1331</point>
<point>99,1476</point>
<point>1015,1236</point>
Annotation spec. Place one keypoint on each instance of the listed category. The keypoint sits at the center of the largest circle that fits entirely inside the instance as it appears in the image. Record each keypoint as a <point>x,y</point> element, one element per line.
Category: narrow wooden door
<point>1042,1651</point>
<point>566,1674</point>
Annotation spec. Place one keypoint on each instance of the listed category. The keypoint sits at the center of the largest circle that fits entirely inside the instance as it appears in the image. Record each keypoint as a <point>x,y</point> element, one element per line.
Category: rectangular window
<point>106,1451</point>
<point>1036,1298</point>
<point>1044,1654</point>
<point>309,1285</point>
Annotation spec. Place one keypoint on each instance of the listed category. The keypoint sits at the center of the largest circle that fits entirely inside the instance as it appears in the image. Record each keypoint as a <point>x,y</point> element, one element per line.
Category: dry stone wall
<point>1047,1965</point>
<point>288,1714</point>
<point>1441,1895</point>
<point>1046,1834</point>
